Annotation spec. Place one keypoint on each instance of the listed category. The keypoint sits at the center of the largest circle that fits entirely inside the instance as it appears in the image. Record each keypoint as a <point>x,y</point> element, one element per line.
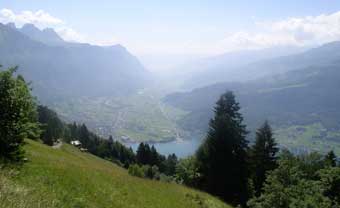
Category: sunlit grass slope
<point>66,177</point>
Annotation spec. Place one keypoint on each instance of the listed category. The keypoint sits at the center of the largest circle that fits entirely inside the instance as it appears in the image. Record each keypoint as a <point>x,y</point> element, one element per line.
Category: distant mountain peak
<point>11,25</point>
<point>47,35</point>
<point>52,33</point>
<point>29,27</point>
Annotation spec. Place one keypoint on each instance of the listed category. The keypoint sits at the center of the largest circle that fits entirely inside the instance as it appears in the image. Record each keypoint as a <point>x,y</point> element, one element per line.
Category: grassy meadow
<point>68,178</point>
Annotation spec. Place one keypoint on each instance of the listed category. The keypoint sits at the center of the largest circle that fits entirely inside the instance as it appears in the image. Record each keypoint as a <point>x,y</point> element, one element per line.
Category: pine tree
<point>53,127</point>
<point>262,156</point>
<point>154,160</point>
<point>84,136</point>
<point>222,157</point>
<point>141,154</point>
<point>18,116</point>
<point>331,159</point>
<point>171,162</point>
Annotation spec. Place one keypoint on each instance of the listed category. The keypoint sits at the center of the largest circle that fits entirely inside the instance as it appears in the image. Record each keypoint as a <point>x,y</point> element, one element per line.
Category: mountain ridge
<point>78,66</point>
<point>298,98</point>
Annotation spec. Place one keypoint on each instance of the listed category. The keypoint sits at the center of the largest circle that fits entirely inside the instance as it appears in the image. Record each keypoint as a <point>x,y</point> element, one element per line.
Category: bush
<point>136,170</point>
<point>166,178</point>
<point>187,172</point>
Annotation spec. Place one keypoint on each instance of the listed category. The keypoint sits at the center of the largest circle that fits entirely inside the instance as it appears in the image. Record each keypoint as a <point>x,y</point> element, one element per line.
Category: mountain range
<point>298,94</point>
<point>60,69</point>
<point>254,64</point>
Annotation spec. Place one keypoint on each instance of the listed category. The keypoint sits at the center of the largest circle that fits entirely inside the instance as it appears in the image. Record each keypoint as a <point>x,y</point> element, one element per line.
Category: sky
<point>182,28</point>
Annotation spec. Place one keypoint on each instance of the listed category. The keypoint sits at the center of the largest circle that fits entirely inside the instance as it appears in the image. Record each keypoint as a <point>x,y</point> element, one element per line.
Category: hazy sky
<point>183,27</point>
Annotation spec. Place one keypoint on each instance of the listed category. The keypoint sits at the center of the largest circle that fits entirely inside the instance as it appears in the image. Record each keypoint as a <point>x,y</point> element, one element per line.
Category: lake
<point>180,148</point>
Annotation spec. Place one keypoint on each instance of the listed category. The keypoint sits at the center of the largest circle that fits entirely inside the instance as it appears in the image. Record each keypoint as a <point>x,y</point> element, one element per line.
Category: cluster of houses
<point>77,144</point>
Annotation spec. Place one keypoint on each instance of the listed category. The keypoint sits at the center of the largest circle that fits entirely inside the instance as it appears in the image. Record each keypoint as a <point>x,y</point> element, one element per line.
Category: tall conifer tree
<point>222,156</point>
<point>262,156</point>
<point>331,159</point>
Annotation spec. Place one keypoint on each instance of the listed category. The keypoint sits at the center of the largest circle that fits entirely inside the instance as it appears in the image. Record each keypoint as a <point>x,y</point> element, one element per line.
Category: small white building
<point>76,143</point>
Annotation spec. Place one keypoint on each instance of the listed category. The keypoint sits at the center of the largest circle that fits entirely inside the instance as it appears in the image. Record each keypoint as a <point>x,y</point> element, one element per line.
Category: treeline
<point>151,164</point>
<point>147,162</point>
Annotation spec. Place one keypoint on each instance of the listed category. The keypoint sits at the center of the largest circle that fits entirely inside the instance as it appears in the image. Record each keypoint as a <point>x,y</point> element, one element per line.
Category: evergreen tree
<point>142,157</point>
<point>171,163</point>
<point>222,157</point>
<point>262,156</point>
<point>331,159</point>
<point>84,135</point>
<point>154,156</point>
<point>73,131</point>
<point>110,142</point>
<point>18,115</point>
<point>53,127</point>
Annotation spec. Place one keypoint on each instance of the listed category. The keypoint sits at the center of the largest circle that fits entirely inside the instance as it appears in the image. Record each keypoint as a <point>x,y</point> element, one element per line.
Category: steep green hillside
<point>66,177</point>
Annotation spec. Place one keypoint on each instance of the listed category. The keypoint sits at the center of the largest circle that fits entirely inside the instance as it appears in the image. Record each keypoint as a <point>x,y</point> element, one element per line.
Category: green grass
<point>66,177</point>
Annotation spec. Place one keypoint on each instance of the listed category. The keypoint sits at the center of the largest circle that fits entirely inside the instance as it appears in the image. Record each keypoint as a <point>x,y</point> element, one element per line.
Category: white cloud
<point>295,31</point>
<point>246,40</point>
<point>42,19</point>
<point>70,34</point>
<point>39,18</point>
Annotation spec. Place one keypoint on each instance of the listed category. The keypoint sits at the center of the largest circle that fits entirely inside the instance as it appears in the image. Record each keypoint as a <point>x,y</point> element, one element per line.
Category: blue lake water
<point>180,148</point>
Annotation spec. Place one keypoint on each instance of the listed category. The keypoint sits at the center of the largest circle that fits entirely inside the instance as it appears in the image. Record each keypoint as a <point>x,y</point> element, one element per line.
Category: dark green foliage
<point>149,156</point>
<point>331,159</point>
<point>53,127</point>
<point>145,171</point>
<point>170,165</point>
<point>108,149</point>
<point>262,156</point>
<point>152,172</point>
<point>18,117</point>
<point>310,164</point>
<point>330,181</point>
<point>143,154</point>
<point>300,181</point>
<point>187,172</point>
<point>136,170</point>
<point>222,157</point>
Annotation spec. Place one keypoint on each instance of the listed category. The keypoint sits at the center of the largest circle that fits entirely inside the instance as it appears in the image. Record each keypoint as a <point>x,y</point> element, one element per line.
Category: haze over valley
<point>172,104</point>
<point>109,89</point>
